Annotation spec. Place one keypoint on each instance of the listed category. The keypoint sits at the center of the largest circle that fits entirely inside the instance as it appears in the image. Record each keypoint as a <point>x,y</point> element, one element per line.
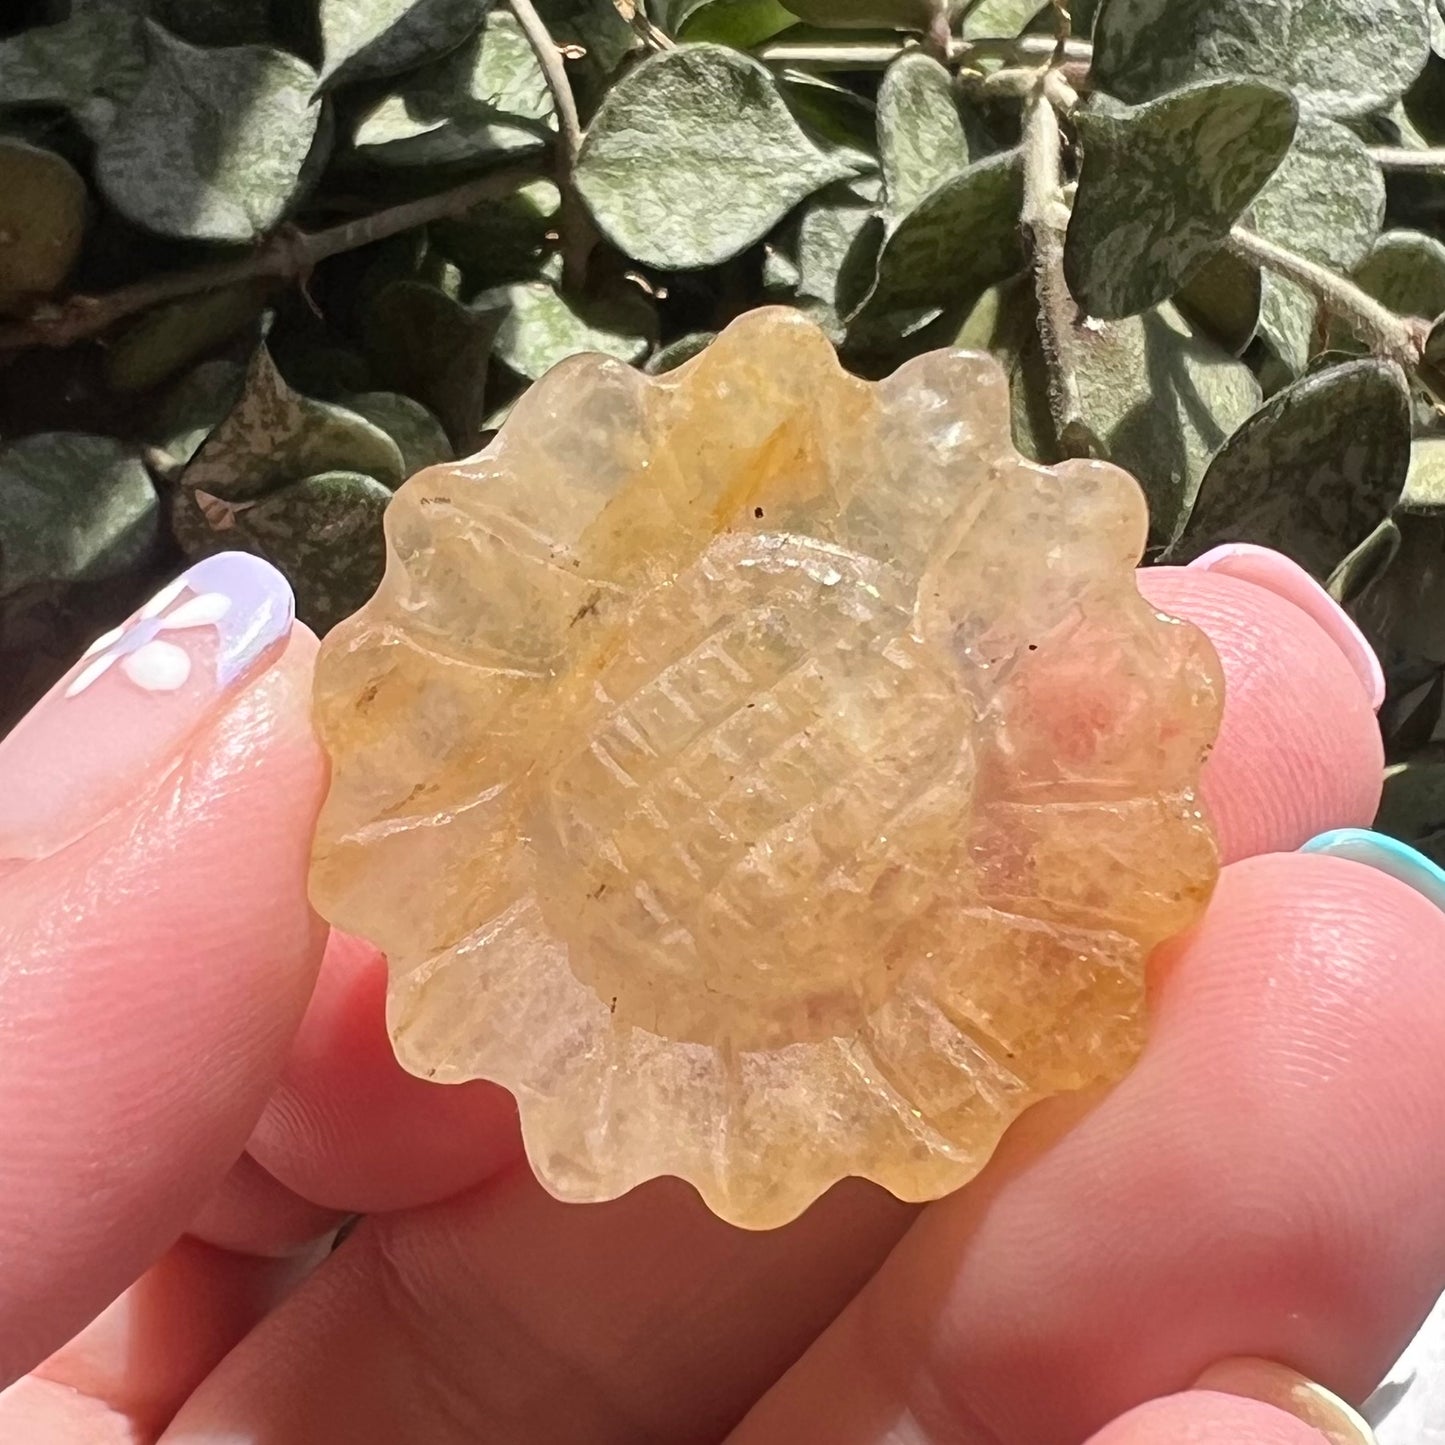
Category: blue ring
<point>1389,855</point>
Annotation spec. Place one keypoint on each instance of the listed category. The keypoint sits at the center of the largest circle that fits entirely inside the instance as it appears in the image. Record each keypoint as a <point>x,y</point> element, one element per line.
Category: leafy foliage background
<point>262,259</point>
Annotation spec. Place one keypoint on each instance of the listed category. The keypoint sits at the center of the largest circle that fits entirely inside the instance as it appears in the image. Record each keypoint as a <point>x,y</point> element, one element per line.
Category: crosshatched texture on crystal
<point>766,775</point>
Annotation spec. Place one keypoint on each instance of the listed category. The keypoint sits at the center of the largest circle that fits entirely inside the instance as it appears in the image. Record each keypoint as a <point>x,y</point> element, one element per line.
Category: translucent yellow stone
<point>766,775</point>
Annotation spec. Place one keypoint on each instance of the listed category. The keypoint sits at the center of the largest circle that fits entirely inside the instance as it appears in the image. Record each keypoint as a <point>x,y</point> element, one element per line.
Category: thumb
<point>1201,1417</point>
<point>156,946</point>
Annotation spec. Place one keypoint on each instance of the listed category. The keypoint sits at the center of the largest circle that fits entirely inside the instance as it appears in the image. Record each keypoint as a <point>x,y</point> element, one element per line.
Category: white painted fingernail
<point>121,716</point>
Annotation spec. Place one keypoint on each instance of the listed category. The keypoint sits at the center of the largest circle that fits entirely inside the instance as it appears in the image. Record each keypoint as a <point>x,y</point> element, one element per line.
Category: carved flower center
<point>738,847</point>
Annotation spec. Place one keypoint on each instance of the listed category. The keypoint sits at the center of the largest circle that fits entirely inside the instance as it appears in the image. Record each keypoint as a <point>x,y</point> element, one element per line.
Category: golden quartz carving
<point>766,775</point>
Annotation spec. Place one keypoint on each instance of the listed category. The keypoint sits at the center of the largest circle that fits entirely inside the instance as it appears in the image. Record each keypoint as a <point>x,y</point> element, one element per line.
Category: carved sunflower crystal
<point>766,775</point>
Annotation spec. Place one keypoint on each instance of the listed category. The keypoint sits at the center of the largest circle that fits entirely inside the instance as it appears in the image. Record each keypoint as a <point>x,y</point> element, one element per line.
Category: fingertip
<point>153,969</point>
<point>253,1213</point>
<point>1298,1043</point>
<point>1299,749</point>
<point>1203,1417</point>
<point>349,1128</point>
<point>1265,1182</point>
<point>1276,573</point>
<point>1388,855</point>
<point>151,1347</point>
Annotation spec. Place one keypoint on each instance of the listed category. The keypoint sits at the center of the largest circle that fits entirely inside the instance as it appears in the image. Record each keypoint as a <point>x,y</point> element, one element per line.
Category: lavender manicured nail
<point>120,718</point>
<point>246,600</point>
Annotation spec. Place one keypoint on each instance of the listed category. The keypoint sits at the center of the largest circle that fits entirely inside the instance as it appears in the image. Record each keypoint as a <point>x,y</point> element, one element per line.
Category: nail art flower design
<point>235,593</point>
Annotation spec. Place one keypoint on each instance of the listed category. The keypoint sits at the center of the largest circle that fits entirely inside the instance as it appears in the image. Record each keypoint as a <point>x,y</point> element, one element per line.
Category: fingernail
<point>1295,1394</point>
<point>120,717</point>
<point>1276,573</point>
<point>1389,855</point>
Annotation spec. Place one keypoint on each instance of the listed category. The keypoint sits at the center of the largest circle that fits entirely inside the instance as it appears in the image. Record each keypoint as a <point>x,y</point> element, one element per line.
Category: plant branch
<point>286,255</point>
<point>938,38</point>
<point>1064,29</point>
<point>1043,199</point>
<point>579,235</point>
<point>878,54</point>
<point>834,54</point>
<point>1022,48</point>
<point>554,69</point>
<point>1398,158</point>
<point>1385,333</point>
<point>655,37</point>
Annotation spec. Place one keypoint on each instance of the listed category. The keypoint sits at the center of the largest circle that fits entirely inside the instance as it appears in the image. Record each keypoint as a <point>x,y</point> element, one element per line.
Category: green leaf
<point>671,356</point>
<point>324,534</point>
<point>542,327</point>
<point>1006,17</point>
<point>1084,13</point>
<point>1326,200</point>
<point>427,345</point>
<point>1364,564</point>
<point>487,98</point>
<point>824,258</point>
<point>920,130</point>
<point>1162,184</point>
<point>274,435</point>
<point>420,437</point>
<point>960,238</point>
<point>319,367</point>
<point>73,508</point>
<point>739,23</point>
<point>502,240</point>
<point>837,249</point>
<point>42,222</point>
<point>1159,397</point>
<point>1339,57</point>
<point>839,121</point>
<point>193,408</point>
<point>865,14</point>
<point>1286,327</point>
<point>1403,611</point>
<point>1419,119</point>
<point>90,64</point>
<point>1411,713</point>
<point>1412,806</point>
<point>172,336</point>
<point>780,265</point>
<point>1425,482</point>
<point>1405,270</point>
<point>364,39</point>
<point>1223,298</point>
<point>1002,320</point>
<point>673,15</point>
<point>1431,371</point>
<point>597,28</point>
<point>496,419</point>
<point>694,156</point>
<point>1313,471</point>
<point>213,145</point>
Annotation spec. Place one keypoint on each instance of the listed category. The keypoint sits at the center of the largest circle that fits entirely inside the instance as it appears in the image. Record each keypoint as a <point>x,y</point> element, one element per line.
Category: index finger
<point>156,944</point>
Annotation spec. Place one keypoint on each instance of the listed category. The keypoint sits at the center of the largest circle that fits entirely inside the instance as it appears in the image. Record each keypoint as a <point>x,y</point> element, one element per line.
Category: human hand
<point>180,1124</point>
